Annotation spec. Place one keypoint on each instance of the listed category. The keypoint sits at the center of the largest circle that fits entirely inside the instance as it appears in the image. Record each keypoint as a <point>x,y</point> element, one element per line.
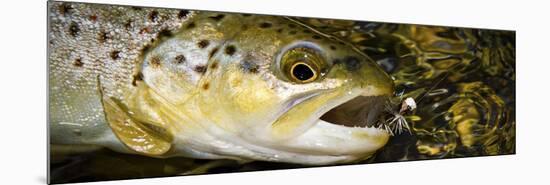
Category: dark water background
<point>463,81</point>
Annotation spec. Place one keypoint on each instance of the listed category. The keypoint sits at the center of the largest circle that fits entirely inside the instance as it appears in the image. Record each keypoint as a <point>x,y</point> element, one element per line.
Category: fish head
<point>275,89</point>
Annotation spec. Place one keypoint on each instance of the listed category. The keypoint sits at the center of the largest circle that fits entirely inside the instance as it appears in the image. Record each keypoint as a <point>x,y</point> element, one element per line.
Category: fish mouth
<point>361,111</point>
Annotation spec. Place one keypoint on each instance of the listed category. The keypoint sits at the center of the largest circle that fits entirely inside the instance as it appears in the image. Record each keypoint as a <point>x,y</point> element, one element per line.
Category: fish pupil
<point>302,72</point>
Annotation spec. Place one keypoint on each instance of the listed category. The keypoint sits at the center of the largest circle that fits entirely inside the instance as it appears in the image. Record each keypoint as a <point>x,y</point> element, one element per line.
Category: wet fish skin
<point>161,83</point>
<point>88,44</point>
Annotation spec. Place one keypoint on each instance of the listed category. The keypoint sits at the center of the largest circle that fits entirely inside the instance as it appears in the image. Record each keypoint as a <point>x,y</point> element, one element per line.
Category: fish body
<point>163,83</point>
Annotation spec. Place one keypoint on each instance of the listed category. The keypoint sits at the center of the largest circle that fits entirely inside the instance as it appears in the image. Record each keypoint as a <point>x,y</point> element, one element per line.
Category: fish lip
<point>291,104</point>
<point>299,100</point>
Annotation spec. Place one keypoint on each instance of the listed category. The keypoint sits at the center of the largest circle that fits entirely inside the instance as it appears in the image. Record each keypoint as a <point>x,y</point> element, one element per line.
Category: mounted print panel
<point>137,92</point>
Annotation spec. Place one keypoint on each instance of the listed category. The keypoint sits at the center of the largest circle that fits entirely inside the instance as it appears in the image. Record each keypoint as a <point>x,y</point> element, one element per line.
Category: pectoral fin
<point>140,136</point>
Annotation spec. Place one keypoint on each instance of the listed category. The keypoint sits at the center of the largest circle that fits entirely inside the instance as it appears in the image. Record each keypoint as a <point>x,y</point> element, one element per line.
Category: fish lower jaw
<point>336,140</point>
<point>324,144</point>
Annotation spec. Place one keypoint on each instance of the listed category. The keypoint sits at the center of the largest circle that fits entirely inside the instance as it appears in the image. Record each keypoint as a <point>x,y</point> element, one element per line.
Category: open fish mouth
<point>380,112</point>
<point>351,127</point>
<point>361,111</point>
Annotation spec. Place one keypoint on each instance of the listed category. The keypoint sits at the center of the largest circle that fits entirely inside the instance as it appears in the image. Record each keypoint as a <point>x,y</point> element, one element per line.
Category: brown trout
<point>208,85</point>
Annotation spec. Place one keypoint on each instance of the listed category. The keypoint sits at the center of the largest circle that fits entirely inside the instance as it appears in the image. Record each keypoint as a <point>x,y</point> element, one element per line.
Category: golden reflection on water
<point>463,81</point>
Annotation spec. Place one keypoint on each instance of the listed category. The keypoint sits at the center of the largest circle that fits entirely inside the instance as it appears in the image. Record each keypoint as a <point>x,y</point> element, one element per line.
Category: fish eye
<point>303,72</point>
<point>301,65</point>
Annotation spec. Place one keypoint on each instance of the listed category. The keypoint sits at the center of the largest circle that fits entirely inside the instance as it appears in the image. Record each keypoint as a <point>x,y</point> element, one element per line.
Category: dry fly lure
<point>394,121</point>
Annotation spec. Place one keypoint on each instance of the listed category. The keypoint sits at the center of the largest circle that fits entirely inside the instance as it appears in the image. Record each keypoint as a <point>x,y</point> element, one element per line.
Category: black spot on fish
<point>203,44</point>
<point>307,31</point>
<point>65,8</point>
<point>265,25</point>
<point>316,37</point>
<point>293,32</point>
<point>341,43</point>
<point>205,86</point>
<point>154,16</point>
<point>128,24</point>
<point>352,63</point>
<point>217,17</point>
<point>183,14</point>
<point>214,65</point>
<point>136,78</point>
<point>244,27</point>
<point>74,29</point>
<point>246,15</point>
<point>332,47</point>
<point>191,25</point>
<point>155,61</point>
<point>291,26</point>
<point>165,33</point>
<point>213,52</point>
<point>103,36</point>
<point>280,30</point>
<point>180,59</point>
<point>200,69</point>
<point>249,66</point>
<point>115,55</point>
<point>78,62</point>
<point>230,50</point>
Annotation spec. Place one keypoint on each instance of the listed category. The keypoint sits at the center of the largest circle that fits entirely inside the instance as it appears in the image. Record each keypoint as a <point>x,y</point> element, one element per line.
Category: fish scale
<point>110,60</point>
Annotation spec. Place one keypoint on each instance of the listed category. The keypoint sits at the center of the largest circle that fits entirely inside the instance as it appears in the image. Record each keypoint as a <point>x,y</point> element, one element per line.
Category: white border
<point>23,97</point>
